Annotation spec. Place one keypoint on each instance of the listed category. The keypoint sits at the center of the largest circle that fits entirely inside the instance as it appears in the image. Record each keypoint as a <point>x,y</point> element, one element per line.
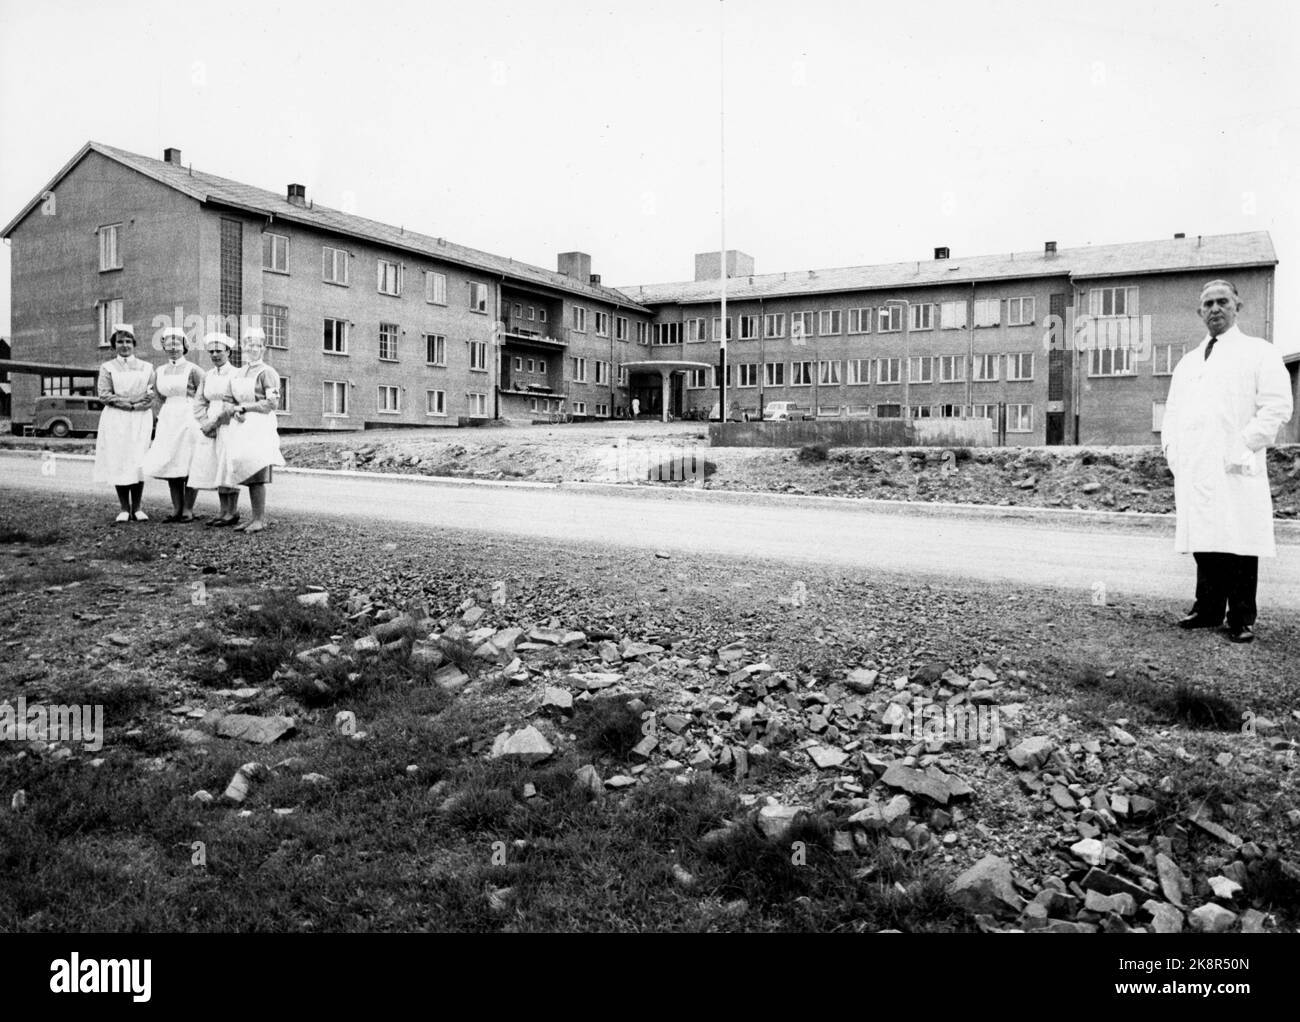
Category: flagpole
<point>722,161</point>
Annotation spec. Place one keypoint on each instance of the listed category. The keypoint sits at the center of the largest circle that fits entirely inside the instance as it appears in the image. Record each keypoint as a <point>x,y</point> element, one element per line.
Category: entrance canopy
<point>665,367</point>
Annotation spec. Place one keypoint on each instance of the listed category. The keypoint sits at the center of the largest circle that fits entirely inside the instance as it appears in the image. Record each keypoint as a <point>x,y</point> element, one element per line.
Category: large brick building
<point>376,325</point>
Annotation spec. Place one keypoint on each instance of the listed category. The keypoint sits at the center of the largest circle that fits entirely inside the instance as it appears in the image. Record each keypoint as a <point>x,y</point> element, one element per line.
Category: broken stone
<point>1090,850</point>
<point>1212,918</point>
<point>314,778</point>
<point>258,730</point>
<point>314,599</point>
<point>1122,904</point>
<point>775,820</point>
<point>202,796</point>
<point>862,680</point>
<point>242,782</point>
<point>589,779</point>
<point>1224,888</point>
<point>1032,753</point>
<point>987,887</point>
<point>826,758</point>
<point>527,745</point>
<point>1164,917</point>
<point>1210,827</point>
<point>645,747</point>
<point>559,698</point>
<point>620,781</point>
<point>451,678</point>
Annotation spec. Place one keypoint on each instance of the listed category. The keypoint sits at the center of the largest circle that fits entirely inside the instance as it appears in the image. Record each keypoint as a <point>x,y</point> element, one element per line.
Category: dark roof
<point>209,188</point>
<point>1212,252</point>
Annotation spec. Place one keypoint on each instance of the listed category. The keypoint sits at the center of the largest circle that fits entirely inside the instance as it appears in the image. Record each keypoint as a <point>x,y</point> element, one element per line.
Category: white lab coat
<point>1220,416</point>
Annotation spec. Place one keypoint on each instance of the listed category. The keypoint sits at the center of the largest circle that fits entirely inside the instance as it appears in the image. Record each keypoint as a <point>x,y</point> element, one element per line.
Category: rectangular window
<point>988,311</point>
<point>889,370</point>
<point>478,296</point>
<point>1020,418</point>
<point>984,368</point>
<point>579,369</point>
<point>477,405</point>
<point>435,289</point>
<point>335,337</point>
<point>1020,311</point>
<point>801,374</point>
<point>695,329</point>
<point>602,411</point>
<point>748,328</point>
<point>336,399</point>
<point>747,374</point>
<point>774,374</point>
<point>1020,365</point>
<point>859,321</point>
<point>1166,358</point>
<point>717,328</point>
<point>984,412</point>
<point>435,402</point>
<point>334,265</point>
<point>519,364</point>
<point>774,324</point>
<point>284,396</point>
<point>390,278</point>
<point>110,314</point>
<point>1110,362</point>
<point>543,316</point>
<point>830,323</point>
<point>1157,416</point>
<point>1113,301</point>
<point>668,333</point>
<point>859,371</point>
<point>622,376</point>
<point>801,326</point>
<point>110,255</point>
<point>602,372</point>
<point>389,400</point>
<point>889,411</point>
<point>643,333</point>
<point>602,324</point>
<point>920,370</point>
<point>275,321</point>
<point>948,411</point>
<point>518,311</point>
<point>952,368</point>
<point>889,319</point>
<point>435,349</point>
<point>541,365</point>
<point>275,252</point>
<point>530,364</point>
<point>230,290</point>
<point>620,328</point>
<point>478,356</point>
<point>922,412</point>
<point>580,408</point>
<point>952,316</point>
<point>923,317</point>
<point>388,333</point>
<point>580,319</point>
<point>697,379</point>
<point>828,373</point>
<point>532,313</point>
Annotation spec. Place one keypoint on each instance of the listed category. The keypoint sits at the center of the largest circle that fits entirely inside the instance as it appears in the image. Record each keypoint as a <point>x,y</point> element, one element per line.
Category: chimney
<point>595,279</point>
<point>1180,235</point>
<point>941,253</point>
<point>297,195</point>
<point>576,265</point>
<point>172,156</point>
<point>708,265</point>
<point>1049,249</point>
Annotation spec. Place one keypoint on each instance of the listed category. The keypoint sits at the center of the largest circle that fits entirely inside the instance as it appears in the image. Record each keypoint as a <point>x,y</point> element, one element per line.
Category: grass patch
<point>1272,887</point>
<point>609,726</point>
<point>1099,699</point>
<point>131,551</point>
<point>58,574</point>
<point>814,452</point>
<point>32,537</point>
<point>121,703</point>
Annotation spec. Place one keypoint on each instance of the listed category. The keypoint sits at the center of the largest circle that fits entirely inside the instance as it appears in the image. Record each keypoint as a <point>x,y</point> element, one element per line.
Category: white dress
<point>178,433</point>
<point>123,437</point>
<point>209,406</point>
<point>252,444</point>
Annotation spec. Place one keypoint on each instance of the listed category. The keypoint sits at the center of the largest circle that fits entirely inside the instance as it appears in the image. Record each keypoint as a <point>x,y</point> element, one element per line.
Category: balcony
<point>521,334</point>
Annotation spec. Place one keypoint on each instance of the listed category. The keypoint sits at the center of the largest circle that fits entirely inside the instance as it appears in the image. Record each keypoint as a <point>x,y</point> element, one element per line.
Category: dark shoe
<point>1242,634</point>
<point>1197,621</point>
<point>172,519</point>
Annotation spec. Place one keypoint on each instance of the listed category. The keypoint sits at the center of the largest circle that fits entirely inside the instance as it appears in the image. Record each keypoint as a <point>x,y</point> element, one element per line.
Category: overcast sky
<point>856,132</point>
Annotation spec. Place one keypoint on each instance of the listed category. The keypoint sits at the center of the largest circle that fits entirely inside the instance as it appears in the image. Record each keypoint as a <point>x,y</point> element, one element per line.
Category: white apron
<point>123,437</point>
<point>210,452</point>
<point>254,443</point>
<point>1221,415</point>
<point>176,437</point>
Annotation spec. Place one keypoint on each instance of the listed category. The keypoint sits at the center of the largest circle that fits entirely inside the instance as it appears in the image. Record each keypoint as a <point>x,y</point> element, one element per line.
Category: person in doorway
<point>177,435</point>
<point>636,407</point>
<point>1227,400</point>
<point>125,424</point>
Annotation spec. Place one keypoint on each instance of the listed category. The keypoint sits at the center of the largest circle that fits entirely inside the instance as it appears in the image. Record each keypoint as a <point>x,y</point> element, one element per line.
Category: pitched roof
<point>1222,251</point>
<point>209,188</point>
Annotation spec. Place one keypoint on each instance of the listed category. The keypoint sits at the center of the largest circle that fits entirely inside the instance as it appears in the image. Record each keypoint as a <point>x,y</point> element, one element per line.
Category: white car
<point>784,411</point>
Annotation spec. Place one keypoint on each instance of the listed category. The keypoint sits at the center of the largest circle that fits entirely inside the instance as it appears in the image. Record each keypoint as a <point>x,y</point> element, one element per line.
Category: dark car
<point>68,415</point>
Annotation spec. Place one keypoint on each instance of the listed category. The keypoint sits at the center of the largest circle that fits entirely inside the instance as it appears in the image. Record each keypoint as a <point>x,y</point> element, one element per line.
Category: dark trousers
<point>1226,581</point>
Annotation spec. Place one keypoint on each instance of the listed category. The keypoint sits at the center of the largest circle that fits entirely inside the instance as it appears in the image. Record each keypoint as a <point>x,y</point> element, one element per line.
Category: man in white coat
<point>1227,400</point>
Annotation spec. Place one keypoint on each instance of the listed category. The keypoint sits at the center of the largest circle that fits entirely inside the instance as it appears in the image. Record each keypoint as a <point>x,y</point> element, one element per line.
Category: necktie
<point>1210,347</point>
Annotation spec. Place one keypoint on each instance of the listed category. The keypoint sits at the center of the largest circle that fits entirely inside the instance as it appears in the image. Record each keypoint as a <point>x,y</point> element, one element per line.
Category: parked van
<point>67,415</point>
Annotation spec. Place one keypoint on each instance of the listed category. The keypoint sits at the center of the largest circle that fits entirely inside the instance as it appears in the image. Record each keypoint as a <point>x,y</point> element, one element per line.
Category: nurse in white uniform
<point>175,383</point>
<point>125,424</point>
<point>213,403</point>
<point>253,443</point>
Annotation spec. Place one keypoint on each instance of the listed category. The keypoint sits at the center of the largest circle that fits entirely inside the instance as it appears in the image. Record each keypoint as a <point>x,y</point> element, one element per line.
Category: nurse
<point>177,435</point>
<point>213,403</point>
<point>253,443</point>
<point>125,424</point>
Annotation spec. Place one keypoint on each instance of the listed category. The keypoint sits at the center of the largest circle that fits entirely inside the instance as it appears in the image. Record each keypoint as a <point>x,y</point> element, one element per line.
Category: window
<point>748,328</point>
<point>859,321</point>
<point>801,326</point>
<point>859,371</point>
<point>284,396</point>
<point>389,400</point>
<point>923,317</point>
<point>579,369</point>
<point>532,313</point>
<point>1166,358</point>
<point>695,329</point>
<point>602,372</point>
<point>952,368</point>
<point>667,333</point>
<point>920,370</point>
<point>889,319</point>
<point>952,316</point>
<point>828,373</point>
<point>602,324</point>
<point>478,356</point>
<point>889,370</point>
<point>477,405</point>
<point>110,256</point>
<point>334,265</point>
<point>643,333</point>
<point>435,402</point>
<point>922,412</point>
<point>580,408</point>
<point>388,342</point>
<point>518,311</point>
<point>1020,418</point>
<point>948,411</point>
<point>830,322</point>
<point>889,411</point>
<point>984,412</point>
<point>478,296</point>
<point>620,327</point>
<point>110,313</point>
<point>541,365</point>
<point>801,374</point>
<point>1113,301</point>
<point>984,368</point>
<point>1020,366</point>
<point>530,364</point>
<point>275,321</point>
<point>774,324</point>
<point>717,328</point>
<point>435,349</point>
<point>697,379</point>
<point>988,311</point>
<point>335,337</point>
<point>580,319</point>
<point>1110,362</point>
<point>1020,311</point>
<point>1157,416</point>
<point>519,364</point>
<point>622,376</point>
<point>275,253</point>
<point>336,399</point>
<point>543,316</point>
<point>603,411</point>
<point>435,289</point>
<point>774,374</point>
<point>747,374</point>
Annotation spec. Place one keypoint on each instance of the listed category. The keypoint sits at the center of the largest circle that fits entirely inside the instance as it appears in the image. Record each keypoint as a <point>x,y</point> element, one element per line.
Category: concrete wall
<point>837,433</point>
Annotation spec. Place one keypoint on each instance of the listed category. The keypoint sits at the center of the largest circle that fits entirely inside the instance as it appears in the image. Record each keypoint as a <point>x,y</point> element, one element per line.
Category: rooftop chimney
<point>595,279</point>
<point>576,265</point>
<point>708,265</point>
<point>172,156</point>
<point>1180,234</point>
<point>941,253</point>
<point>1049,248</point>
<point>298,195</point>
